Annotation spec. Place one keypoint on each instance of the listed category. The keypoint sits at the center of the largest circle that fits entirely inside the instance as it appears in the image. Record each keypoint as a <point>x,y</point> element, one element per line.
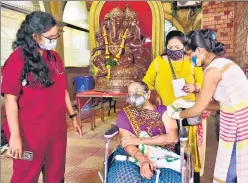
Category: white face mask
<point>138,99</point>
<point>48,45</point>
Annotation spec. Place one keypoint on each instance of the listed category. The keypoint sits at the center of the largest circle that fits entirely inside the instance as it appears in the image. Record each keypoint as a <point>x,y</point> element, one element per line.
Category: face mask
<point>48,45</point>
<point>194,61</point>
<point>138,99</point>
<point>175,54</point>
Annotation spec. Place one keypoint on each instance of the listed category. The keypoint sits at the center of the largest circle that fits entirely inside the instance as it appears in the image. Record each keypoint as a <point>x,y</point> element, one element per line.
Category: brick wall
<point>219,16</point>
<point>240,23</point>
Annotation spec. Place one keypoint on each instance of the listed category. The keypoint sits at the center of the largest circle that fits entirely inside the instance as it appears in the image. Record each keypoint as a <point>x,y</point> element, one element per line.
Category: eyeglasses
<point>137,92</point>
<point>51,40</point>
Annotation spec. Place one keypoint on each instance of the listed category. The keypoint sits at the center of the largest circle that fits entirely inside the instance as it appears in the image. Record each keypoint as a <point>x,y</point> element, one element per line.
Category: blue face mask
<point>194,61</point>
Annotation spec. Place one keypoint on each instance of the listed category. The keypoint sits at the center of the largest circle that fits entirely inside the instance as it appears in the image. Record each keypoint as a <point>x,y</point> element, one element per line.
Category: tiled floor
<point>211,151</point>
<point>85,155</point>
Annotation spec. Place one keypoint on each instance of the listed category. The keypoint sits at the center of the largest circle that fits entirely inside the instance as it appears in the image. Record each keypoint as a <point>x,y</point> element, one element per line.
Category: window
<point>11,21</point>
<point>26,5</point>
<point>76,48</point>
<point>76,42</point>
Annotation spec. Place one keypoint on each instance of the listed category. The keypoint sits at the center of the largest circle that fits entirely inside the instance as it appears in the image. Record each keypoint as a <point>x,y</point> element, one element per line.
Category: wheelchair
<point>187,166</point>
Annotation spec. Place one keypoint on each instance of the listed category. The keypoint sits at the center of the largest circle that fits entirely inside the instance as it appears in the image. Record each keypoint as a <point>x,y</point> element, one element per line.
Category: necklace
<point>179,71</point>
<point>56,68</point>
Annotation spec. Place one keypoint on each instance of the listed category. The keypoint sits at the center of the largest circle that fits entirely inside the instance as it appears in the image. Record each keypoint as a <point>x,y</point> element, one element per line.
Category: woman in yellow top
<point>160,75</point>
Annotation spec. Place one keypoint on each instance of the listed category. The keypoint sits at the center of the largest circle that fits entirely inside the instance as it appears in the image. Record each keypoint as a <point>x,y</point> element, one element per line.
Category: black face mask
<point>175,54</point>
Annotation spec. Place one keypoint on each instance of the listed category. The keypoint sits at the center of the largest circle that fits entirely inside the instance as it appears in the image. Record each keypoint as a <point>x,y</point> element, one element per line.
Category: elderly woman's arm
<point>171,136</point>
<point>146,166</point>
<point>132,150</point>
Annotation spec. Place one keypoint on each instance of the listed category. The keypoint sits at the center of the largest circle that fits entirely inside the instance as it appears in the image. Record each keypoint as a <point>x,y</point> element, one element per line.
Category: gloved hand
<point>173,112</point>
<point>181,103</point>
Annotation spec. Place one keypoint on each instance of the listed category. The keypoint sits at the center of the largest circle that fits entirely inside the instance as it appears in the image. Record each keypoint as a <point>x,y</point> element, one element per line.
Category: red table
<point>95,94</point>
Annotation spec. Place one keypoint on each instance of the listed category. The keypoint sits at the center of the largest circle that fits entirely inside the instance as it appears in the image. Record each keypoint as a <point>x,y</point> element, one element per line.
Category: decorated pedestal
<point>120,79</point>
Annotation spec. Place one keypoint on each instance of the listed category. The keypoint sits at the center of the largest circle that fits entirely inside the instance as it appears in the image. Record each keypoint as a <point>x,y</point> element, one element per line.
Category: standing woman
<point>227,84</point>
<point>174,64</point>
<point>159,75</point>
<point>36,100</point>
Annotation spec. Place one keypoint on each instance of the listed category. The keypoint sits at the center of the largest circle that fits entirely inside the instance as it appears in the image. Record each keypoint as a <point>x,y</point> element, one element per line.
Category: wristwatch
<point>73,115</point>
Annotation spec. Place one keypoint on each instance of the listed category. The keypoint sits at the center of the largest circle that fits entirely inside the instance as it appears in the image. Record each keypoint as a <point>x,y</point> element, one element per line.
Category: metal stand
<point>183,135</point>
<point>105,162</point>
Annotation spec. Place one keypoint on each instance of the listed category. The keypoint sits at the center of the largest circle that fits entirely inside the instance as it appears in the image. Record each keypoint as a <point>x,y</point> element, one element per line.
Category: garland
<point>108,62</point>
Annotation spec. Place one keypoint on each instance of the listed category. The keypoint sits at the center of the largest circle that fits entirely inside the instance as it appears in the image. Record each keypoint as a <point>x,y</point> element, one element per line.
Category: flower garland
<point>111,63</point>
<point>199,128</point>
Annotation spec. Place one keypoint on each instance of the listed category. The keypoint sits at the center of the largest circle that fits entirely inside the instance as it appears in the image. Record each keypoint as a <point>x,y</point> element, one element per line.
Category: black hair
<point>187,42</point>
<point>205,38</point>
<point>144,85</point>
<point>141,83</point>
<point>173,34</point>
<point>36,22</point>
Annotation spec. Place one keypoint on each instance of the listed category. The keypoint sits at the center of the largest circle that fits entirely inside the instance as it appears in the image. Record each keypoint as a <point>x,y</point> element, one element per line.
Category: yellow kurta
<point>159,77</point>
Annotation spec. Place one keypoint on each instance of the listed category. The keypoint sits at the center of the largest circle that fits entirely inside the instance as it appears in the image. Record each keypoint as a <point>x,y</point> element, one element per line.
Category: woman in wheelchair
<point>143,130</point>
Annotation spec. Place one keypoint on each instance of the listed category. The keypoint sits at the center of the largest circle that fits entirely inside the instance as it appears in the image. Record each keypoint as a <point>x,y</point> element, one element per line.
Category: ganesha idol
<point>123,57</point>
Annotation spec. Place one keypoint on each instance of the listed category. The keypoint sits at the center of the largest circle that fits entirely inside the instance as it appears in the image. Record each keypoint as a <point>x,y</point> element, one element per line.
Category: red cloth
<point>42,112</point>
<point>93,93</point>
<point>53,151</point>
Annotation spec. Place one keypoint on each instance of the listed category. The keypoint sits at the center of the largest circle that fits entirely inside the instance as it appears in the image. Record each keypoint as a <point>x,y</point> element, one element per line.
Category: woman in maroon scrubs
<point>36,99</point>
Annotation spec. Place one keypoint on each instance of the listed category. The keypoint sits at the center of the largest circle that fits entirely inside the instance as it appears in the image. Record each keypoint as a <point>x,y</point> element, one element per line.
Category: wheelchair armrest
<point>111,132</point>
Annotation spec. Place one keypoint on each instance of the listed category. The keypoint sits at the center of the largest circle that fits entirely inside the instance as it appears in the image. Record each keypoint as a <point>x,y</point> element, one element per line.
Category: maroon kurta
<point>42,118</point>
